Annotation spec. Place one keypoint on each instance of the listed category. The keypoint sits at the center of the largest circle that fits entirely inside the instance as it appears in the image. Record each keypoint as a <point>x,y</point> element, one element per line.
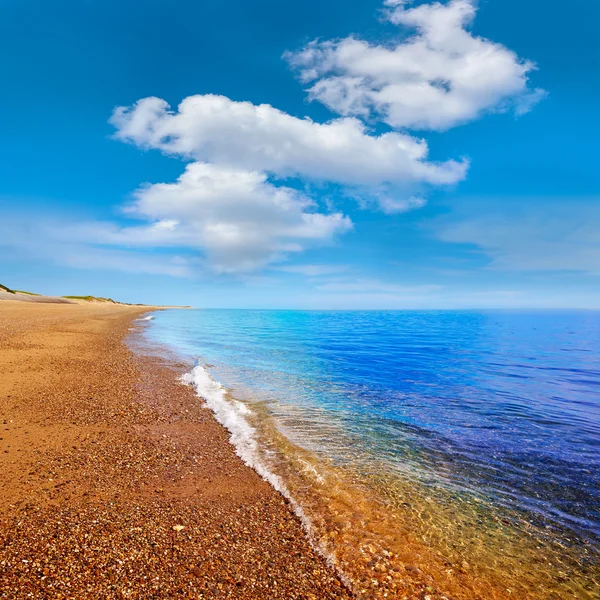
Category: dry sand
<point>23,297</point>
<point>116,482</point>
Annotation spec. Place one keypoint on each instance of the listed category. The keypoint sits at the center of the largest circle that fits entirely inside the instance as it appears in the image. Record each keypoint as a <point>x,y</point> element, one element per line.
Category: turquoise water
<point>504,406</point>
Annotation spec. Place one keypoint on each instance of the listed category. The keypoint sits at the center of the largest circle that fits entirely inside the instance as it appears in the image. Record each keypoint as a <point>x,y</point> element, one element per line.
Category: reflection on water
<point>439,454</point>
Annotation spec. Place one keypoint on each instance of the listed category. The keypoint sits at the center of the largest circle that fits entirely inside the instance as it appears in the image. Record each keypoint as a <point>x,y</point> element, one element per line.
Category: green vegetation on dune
<point>43,298</point>
<point>3,287</point>
<point>90,299</point>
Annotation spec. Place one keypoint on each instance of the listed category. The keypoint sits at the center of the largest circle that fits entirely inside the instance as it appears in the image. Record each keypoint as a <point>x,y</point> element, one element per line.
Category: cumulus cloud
<point>236,220</point>
<point>441,76</point>
<point>239,219</point>
<point>253,137</point>
<point>233,203</point>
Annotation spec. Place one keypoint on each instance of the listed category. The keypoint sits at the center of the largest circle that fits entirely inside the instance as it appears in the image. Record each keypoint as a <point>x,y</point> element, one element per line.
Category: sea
<point>430,454</point>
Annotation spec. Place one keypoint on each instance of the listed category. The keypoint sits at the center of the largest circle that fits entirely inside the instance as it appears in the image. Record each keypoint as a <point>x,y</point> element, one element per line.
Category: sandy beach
<point>117,482</point>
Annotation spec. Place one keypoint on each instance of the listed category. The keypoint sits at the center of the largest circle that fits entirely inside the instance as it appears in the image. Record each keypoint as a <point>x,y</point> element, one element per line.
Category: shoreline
<point>392,536</point>
<point>119,483</point>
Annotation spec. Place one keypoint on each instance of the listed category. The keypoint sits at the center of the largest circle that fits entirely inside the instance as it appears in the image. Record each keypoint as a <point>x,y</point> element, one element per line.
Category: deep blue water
<point>505,405</point>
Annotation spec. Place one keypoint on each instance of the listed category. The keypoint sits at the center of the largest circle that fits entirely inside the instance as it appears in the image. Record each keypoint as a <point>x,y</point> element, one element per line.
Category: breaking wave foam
<point>233,414</point>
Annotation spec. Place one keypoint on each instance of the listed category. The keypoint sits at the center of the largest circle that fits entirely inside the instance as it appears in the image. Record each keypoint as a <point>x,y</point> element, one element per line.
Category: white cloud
<point>440,77</point>
<point>390,204</point>
<point>232,202</point>
<point>239,220</point>
<point>248,137</point>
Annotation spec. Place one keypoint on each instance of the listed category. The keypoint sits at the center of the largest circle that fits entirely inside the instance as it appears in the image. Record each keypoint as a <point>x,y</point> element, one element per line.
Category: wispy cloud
<point>313,270</point>
<point>376,286</point>
<point>49,240</point>
<point>554,234</point>
<point>369,293</point>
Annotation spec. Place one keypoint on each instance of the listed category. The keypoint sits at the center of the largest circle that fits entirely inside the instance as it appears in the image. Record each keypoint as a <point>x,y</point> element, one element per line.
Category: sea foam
<point>233,414</point>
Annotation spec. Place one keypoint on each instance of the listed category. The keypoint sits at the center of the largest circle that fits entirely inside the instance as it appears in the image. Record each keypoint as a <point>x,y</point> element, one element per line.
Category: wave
<point>148,318</point>
<point>233,415</point>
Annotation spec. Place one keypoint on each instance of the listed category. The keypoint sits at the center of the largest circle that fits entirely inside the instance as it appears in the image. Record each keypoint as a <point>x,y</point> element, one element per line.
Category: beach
<point>118,483</point>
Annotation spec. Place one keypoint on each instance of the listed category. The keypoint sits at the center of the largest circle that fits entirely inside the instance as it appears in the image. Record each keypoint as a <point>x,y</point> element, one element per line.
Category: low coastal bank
<point>117,483</point>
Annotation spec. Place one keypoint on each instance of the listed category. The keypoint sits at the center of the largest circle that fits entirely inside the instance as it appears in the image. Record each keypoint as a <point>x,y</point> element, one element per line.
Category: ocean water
<point>443,453</point>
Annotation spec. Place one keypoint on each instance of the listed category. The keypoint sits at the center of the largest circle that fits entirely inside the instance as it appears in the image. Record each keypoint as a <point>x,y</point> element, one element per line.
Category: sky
<point>319,154</point>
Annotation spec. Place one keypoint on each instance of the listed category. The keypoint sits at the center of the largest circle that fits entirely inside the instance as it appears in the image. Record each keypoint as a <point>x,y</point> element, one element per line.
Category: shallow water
<point>437,453</point>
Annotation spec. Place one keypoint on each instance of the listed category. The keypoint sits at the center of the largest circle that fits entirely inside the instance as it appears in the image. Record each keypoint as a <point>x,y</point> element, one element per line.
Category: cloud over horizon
<point>232,201</point>
<point>240,220</point>
<point>242,201</point>
<point>558,234</point>
<point>83,245</point>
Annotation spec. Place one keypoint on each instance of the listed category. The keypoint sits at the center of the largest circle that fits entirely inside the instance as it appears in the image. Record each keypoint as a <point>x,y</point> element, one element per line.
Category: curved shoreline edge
<point>243,439</point>
<point>120,483</point>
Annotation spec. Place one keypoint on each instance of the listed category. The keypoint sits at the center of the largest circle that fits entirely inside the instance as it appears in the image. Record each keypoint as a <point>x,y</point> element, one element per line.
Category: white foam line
<point>148,318</point>
<point>231,414</point>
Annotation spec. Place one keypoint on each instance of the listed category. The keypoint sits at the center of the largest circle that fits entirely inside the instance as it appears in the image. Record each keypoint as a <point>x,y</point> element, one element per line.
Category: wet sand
<point>117,483</point>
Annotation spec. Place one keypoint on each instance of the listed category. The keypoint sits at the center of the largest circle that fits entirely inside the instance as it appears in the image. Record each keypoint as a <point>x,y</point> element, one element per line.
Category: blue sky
<point>327,154</point>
